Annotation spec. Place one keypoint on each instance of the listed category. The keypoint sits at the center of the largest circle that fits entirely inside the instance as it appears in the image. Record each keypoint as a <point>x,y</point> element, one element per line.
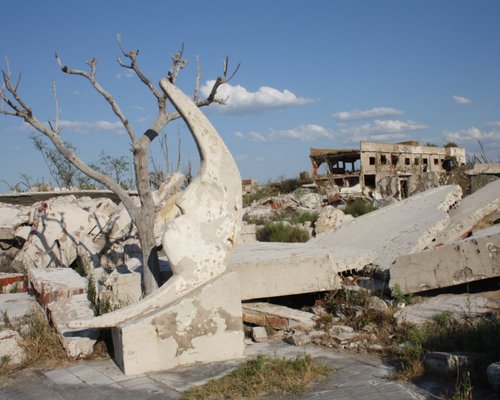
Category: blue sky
<point>313,74</point>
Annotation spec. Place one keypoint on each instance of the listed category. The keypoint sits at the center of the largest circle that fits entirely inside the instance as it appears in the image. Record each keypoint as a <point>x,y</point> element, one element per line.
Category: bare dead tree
<point>143,215</point>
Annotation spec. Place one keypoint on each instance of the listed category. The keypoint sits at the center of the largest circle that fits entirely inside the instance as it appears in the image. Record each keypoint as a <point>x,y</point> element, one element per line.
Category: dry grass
<point>261,376</point>
<point>39,340</point>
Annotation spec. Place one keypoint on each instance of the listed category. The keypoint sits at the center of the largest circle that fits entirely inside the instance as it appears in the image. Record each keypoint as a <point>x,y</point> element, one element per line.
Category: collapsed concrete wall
<point>471,259</point>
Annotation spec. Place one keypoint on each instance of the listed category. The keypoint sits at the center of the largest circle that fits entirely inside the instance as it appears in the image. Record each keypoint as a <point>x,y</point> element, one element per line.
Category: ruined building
<point>390,169</point>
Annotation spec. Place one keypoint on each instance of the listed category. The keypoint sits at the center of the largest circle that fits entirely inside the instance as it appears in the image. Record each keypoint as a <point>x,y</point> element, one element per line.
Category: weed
<point>447,334</point>
<point>38,339</point>
<point>464,387</point>
<point>109,302</point>
<point>6,320</point>
<point>280,232</point>
<point>401,297</point>
<point>262,375</point>
<point>359,207</point>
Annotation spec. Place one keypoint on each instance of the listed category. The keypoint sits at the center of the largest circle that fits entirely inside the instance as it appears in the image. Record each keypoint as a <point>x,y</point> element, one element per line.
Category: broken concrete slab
<point>52,284</point>
<point>469,212</point>
<point>16,305</point>
<point>278,317</point>
<point>78,343</point>
<point>458,305</point>
<point>203,326</point>
<point>11,218</point>
<point>9,347</point>
<point>377,238</point>
<point>452,364</point>
<point>471,259</point>
<point>59,225</point>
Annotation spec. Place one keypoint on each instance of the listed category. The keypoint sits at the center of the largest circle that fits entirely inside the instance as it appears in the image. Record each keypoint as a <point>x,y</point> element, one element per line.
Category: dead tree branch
<point>90,76</point>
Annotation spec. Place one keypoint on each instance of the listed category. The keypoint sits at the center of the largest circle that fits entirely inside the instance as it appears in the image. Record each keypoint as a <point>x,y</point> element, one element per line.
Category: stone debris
<point>493,372</point>
<point>16,305</point>
<point>298,339</point>
<point>469,212</point>
<point>471,259</point>
<point>331,218</point>
<point>9,347</point>
<point>451,364</point>
<point>377,304</point>
<point>279,317</point>
<point>458,306</point>
<point>78,343</point>
<point>259,334</point>
<point>52,284</point>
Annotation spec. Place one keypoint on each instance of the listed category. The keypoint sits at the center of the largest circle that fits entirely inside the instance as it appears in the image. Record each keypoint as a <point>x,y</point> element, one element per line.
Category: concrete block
<point>442,363</point>
<point>125,285</point>
<point>279,317</point>
<point>459,305</point>
<point>51,284</point>
<point>77,342</point>
<point>16,305</point>
<point>259,334</point>
<point>203,326</point>
<point>9,347</point>
<point>471,259</point>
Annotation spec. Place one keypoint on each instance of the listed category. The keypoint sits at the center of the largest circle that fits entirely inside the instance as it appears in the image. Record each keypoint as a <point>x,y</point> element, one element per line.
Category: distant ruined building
<point>398,169</point>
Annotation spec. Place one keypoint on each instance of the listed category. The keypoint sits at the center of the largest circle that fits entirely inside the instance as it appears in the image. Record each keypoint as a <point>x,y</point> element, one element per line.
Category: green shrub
<point>280,232</point>
<point>359,207</point>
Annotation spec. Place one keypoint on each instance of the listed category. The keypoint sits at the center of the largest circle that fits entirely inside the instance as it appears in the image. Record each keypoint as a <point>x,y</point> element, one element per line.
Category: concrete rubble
<point>471,259</point>
<point>275,316</point>
<point>63,293</point>
<point>469,212</point>
<point>78,343</point>
<point>377,238</point>
<point>9,347</point>
<point>458,306</point>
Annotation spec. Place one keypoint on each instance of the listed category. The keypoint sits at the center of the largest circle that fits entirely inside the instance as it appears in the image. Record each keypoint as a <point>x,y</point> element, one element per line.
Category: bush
<point>280,232</point>
<point>359,207</point>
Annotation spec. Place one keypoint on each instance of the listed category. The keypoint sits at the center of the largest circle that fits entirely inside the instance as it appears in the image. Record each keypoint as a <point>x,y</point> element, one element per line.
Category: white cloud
<point>305,133</point>
<point>494,124</point>
<point>461,100</point>
<point>239,134</point>
<point>85,127</point>
<point>384,126</point>
<point>472,133</point>
<point>241,101</point>
<point>76,93</point>
<point>380,130</point>
<point>468,138</point>
<point>376,112</point>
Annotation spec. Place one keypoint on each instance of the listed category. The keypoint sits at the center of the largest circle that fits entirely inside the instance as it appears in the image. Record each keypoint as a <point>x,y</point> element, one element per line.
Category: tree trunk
<point>150,262</point>
<point>146,219</point>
